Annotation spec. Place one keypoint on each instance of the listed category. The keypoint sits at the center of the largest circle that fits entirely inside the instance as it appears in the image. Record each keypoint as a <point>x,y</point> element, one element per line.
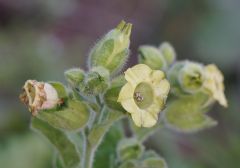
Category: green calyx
<point>97,81</point>
<point>112,50</point>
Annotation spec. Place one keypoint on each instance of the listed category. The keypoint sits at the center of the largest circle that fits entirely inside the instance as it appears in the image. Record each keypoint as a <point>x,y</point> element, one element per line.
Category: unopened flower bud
<point>152,57</point>
<point>39,96</point>
<point>97,81</point>
<point>74,76</point>
<point>168,52</point>
<point>128,149</point>
<point>112,50</point>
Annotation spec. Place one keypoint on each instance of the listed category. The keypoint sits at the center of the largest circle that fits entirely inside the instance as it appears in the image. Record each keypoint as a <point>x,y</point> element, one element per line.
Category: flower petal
<point>157,76</point>
<point>220,97</point>
<point>126,92</point>
<point>137,74</point>
<point>144,119</point>
<point>162,88</point>
<point>129,105</point>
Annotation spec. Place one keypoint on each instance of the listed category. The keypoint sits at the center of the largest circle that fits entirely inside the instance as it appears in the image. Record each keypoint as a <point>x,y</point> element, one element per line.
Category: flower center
<point>143,95</point>
<point>192,81</point>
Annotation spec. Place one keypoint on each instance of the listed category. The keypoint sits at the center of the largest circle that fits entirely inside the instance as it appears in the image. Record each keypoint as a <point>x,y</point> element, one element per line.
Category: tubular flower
<point>39,96</point>
<point>144,95</point>
<point>214,83</point>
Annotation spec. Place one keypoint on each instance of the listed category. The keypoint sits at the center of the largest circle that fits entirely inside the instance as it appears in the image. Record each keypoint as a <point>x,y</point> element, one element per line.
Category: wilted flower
<point>39,96</point>
<point>144,95</point>
<point>214,83</point>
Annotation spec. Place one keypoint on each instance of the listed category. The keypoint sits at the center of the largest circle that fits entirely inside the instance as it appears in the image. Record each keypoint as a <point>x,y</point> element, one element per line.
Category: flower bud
<point>39,96</point>
<point>112,50</point>
<point>128,149</point>
<point>74,76</point>
<point>129,164</point>
<point>186,77</point>
<point>152,57</point>
<point>168,52</point>
<point>97,81</point>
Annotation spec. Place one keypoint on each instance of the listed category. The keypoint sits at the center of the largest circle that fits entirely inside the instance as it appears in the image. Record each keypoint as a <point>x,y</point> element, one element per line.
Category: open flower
<point>214,84</point>
<point>39,96</point>
<point>144,95</point>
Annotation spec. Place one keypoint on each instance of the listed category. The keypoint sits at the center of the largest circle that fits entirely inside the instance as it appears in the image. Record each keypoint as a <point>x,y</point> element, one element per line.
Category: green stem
<point>89,155</point>
<point>95,136</point>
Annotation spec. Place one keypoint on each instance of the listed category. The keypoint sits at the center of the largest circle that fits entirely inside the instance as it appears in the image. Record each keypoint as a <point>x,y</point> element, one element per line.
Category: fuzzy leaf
<point>74,117</point>
<point>106,154</point>
<point>61,142</point>
<point>187,115</point>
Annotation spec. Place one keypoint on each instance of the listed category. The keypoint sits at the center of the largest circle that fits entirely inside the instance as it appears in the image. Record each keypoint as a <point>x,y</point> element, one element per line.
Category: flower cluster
<point>159,91</point>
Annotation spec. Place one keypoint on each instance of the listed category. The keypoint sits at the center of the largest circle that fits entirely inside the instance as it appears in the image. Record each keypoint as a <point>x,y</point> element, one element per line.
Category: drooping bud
<point>152,57</point>
<point>112,50</point>
<point>168,52</point>
<point>97,81</point>
<point>129,148</point>
<point>186,77</point>
<point>74,76</point>
<point>39,96</point>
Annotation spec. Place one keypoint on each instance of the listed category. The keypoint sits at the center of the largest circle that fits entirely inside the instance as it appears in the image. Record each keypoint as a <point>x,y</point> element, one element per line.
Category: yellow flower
<point>144,95</point>
<point>214,84</point>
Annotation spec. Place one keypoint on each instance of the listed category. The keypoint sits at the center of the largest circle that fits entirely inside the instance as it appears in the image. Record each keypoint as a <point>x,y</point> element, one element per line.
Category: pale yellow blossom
<point>144,94</point>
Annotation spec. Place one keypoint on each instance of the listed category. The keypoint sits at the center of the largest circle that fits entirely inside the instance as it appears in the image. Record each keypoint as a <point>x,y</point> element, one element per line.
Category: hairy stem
<point>94,138</point>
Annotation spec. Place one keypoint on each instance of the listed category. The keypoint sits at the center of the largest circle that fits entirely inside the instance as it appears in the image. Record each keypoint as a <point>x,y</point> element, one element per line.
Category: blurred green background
<point>39,39</point>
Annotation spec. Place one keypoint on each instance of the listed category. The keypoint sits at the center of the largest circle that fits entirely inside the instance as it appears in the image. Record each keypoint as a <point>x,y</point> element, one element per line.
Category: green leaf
<point>187,115</point>
<point>61,90</point>
<point>106,153</point>
<point>66,149</point>
<point>58,163</point>
<point>74,117</point>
